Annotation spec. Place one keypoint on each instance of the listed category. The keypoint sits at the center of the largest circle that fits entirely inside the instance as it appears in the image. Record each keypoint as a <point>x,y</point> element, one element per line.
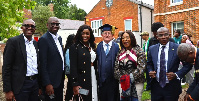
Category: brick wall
<point>189,17</point>
<point>115,15</point>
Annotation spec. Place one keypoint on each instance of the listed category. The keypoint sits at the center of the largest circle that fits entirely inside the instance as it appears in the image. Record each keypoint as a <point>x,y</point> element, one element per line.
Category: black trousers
<point>29,91</point>
<point>58,92</point>
<point>109,91</point>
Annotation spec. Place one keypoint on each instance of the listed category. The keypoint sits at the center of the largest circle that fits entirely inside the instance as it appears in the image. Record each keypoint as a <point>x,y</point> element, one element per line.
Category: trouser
<point>29,91</point>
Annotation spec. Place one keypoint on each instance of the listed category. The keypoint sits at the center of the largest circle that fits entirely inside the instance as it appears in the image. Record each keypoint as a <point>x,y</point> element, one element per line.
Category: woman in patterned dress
<point>129,68</point>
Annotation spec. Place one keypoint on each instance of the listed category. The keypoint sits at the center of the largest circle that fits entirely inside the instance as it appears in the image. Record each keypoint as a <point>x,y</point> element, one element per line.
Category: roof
<point>70,24</point>
<point>143,4</point>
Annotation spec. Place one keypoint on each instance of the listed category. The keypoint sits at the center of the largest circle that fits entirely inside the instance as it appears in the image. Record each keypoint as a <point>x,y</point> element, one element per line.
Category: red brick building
<point>124,14</point>
<point>179,14</point>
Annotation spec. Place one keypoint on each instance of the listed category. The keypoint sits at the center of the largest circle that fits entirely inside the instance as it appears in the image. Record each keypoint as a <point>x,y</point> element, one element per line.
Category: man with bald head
<point>20,65</point>
<point>52,61</point>
<point>190,54</point>
<point>162,65</point>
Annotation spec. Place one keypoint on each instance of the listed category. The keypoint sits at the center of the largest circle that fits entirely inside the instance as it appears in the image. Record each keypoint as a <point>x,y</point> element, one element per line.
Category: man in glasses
<point>162,65</point>
<point>107,51</point>
<point>190,54</point>
<point>20,65</point>
<point>52,61</point>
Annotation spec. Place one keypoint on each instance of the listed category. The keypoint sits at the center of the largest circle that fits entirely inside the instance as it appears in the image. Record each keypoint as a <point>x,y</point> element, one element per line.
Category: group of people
<point>103,72</point>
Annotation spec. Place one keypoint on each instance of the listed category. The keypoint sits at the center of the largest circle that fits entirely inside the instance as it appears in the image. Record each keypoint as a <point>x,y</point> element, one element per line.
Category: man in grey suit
<point>20,65</point>
<point>52,61</point>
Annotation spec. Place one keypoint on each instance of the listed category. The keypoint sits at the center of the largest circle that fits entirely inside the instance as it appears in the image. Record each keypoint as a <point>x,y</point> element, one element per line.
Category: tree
<point>75,13</point>
<point>11,11</point>
<point>40,15</point>
<point>63,10</point>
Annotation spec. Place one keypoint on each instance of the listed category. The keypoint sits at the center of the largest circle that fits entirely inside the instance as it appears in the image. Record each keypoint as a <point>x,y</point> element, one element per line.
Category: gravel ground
<point>2,95</point>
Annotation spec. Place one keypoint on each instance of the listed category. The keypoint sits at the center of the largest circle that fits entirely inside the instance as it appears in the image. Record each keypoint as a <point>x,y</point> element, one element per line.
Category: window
<point>176,1</point>
<point>109,3</point>
<point>128,24</point>
<point>179,26</point>
<point>95,27</point>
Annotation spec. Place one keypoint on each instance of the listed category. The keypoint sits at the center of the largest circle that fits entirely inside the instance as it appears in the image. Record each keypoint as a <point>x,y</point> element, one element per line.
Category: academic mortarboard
<point>107,27</point>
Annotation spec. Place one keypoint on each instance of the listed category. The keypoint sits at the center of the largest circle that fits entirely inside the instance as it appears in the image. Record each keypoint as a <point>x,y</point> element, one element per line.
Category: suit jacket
<point>114,50</point>
<point>50,61</point>
<point>14,67</point>
<point>193,90</point>
<point>172,64</point>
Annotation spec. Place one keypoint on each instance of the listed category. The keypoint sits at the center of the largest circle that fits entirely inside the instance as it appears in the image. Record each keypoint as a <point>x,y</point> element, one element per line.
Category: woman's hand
<point>76,90</point>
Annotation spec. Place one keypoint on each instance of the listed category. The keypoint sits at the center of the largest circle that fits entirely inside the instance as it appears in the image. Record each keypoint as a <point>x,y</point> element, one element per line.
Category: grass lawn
<point>146,94</point>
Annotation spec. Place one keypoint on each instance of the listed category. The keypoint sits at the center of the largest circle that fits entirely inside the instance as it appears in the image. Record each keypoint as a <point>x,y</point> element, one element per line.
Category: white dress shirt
<point>105,47</point>
<point>166,49</point>
<point>58,44</point>
<point>31,57</point>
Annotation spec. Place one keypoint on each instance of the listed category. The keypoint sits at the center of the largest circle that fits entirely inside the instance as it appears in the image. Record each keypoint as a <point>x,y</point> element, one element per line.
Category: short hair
<point>132,37</point>
<point>163,28</point>
<point>184,49</point>
<point>178,31</point>
<point>28,20</point>
<point>155,26</point>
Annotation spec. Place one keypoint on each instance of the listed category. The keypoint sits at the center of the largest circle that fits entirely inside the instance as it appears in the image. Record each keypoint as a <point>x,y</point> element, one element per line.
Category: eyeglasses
<point>161,35</point>
<point>55,24</point>
<point>28,26</point>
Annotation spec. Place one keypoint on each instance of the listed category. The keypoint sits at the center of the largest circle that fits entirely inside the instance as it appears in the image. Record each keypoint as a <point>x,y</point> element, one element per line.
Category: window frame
<point>125,24</point>
<point>173,29</point>
<point>175,3</point>
<point>95,28</point>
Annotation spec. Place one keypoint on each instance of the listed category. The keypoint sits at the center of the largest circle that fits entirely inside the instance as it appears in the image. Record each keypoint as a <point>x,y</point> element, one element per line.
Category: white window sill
<point>175,4</point>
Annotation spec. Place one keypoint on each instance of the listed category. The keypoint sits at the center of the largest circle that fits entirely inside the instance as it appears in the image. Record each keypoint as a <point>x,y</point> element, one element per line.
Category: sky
<point>87,5</point>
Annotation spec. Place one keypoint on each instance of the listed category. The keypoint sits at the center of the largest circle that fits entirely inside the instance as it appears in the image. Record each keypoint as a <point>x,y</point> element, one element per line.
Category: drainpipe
<point>151,16</point>
<point>141,19</point>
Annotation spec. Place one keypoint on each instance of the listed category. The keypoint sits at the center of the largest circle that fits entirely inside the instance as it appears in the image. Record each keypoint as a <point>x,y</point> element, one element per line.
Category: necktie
<point>162,74</point>
<point>107,49</point>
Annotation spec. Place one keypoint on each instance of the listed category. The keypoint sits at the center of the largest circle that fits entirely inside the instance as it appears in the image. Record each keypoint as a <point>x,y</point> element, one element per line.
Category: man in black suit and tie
<point>190,54</point>
<point>52,61</point>
<point>163,64</point>
<point>20,65</point>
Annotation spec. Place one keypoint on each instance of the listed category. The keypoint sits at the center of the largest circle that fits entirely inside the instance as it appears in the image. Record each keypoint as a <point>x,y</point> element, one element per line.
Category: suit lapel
<point>53,42</point>
<point>171,53</point>
<point>156,56</point>
<point>23,47</point>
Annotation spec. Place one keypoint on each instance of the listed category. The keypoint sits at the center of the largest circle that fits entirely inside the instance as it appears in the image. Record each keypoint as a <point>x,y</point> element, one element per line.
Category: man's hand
<point>76,90</point>
<point>49,89</point>
<point>171,75</point>
<point>152,74</point>
<point>10,96</point>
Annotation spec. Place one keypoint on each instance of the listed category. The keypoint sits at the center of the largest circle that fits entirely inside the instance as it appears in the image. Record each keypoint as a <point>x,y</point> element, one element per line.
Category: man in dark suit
<point>152,41</point>
<point>190,54</point>
<point>162,64</point>
<point>106,52</point>
<point>52,61</point>
<point>20,65</point>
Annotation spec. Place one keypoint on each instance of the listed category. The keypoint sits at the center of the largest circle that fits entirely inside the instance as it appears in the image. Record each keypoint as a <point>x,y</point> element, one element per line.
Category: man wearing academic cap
<point>107,51</point>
